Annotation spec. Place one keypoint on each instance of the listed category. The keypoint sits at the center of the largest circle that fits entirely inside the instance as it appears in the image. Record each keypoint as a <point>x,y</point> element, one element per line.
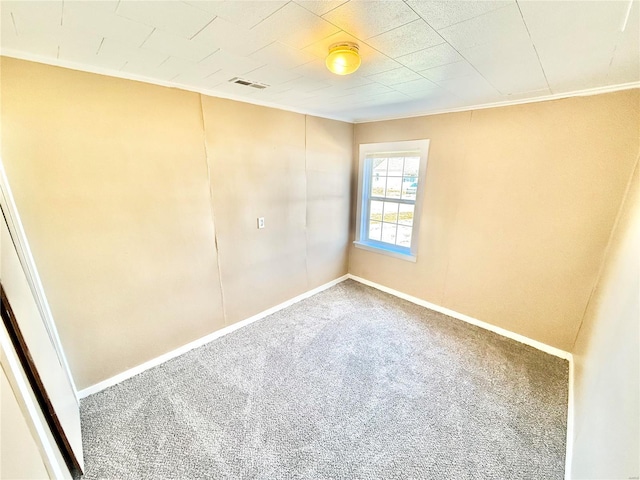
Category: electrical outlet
<point>260,222</point>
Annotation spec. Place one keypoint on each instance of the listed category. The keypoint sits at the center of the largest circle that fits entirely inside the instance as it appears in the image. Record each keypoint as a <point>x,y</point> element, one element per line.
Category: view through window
<point>394,184</point>
<point>390,185</point>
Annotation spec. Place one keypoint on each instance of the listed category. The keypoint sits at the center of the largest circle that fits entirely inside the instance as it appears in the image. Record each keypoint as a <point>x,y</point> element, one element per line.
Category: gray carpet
<point>351,383</point>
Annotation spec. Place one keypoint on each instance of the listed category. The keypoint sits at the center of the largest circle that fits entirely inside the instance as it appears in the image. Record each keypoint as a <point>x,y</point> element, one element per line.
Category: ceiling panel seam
<point>456,50</point>
<point>535,49</point>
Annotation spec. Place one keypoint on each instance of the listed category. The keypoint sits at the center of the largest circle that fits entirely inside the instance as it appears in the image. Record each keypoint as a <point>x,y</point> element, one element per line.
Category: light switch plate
<point>260,222</point>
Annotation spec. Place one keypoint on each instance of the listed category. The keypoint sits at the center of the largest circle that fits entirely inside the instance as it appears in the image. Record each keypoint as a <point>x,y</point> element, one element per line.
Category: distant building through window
<point>390,191</point>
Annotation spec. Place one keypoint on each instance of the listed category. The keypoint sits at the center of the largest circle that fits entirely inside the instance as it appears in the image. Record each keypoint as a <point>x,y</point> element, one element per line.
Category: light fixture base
<point>343,58</point>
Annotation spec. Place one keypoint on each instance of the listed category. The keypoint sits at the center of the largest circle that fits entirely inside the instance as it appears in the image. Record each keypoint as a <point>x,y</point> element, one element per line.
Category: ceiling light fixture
<point>343,58</point>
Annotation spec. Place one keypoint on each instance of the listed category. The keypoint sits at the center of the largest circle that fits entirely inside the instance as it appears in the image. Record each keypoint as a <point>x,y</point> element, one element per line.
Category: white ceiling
<point>418,56</point>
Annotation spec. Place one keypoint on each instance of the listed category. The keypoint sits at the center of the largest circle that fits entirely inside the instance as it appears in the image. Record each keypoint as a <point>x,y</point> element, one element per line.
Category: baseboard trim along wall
<point>505,333</point>
<point>202,341</point>
<point>465,318</point>
<point>570,422</point>
<point>418,301</point>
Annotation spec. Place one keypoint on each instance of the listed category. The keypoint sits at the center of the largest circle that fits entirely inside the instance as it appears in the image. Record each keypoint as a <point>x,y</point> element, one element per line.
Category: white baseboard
<point>570,422</point>
<point>226,330</point>
<point>201,341</point>
<point>465,318</point>
<point>459,316</point>
<point>505,333</point>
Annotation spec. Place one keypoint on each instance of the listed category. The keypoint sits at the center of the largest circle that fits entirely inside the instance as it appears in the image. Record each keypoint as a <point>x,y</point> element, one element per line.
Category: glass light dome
<point>343,58</point>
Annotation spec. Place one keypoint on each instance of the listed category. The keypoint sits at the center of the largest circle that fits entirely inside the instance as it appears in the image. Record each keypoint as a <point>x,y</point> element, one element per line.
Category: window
<point>390,191</point>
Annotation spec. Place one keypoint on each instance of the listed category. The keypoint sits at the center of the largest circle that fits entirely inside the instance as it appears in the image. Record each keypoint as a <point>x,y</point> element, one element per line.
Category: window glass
<point>390,182</point>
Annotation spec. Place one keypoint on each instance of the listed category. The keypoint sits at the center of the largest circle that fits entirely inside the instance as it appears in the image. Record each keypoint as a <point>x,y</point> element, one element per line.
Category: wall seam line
<point>211,206</point>
<point>455,217</point>
<point>606,252</point>
<point>306,207</point>
<point>353,196</point>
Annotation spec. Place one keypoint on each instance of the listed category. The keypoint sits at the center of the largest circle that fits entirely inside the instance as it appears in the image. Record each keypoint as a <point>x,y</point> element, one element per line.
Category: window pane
<point>394,184</point>
<point>390,212</point>
<point>375,211</point>
<point>411,166</point>
<point>409,188</point>
<point>375,229</point>
<point>389,232</point>
<point>395,167</point>
<point>404,236</point>
<point>380,166</point>
<point>378,183</point>
<point>405,216</point>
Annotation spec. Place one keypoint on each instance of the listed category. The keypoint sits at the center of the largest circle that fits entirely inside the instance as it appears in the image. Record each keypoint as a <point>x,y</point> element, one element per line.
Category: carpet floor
<point>351,383</point>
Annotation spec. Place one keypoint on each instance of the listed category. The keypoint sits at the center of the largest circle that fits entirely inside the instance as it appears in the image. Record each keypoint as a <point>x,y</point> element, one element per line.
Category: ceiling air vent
<point>248,83</point>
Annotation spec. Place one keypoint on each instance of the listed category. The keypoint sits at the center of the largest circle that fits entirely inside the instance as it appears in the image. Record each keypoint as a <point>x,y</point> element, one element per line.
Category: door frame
<point>19,239</point>
<point>31,373</point>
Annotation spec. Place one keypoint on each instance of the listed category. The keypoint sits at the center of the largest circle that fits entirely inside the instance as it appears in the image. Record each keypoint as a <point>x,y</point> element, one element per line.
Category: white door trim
<point>19,238</point>
<point>23,393</point>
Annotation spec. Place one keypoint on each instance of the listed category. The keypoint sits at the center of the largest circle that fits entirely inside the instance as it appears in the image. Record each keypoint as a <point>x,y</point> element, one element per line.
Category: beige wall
<point>293,171</point>
<point>518,209</point>
<point>328,145</point>
<point>140,203</point>
<point>133,218</point>
<point>607,359</point>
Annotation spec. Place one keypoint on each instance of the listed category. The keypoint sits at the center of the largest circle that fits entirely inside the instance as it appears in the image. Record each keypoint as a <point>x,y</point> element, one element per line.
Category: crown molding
<point>546,98</point>
<point>6,52</point>
<point>211,93</point>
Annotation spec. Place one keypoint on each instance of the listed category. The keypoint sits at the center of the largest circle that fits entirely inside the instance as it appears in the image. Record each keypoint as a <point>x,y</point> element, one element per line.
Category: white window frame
<point>364,197</point>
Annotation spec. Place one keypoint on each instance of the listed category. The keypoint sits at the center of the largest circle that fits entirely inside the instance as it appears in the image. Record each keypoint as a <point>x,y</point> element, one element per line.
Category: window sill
<point>402,256</point>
